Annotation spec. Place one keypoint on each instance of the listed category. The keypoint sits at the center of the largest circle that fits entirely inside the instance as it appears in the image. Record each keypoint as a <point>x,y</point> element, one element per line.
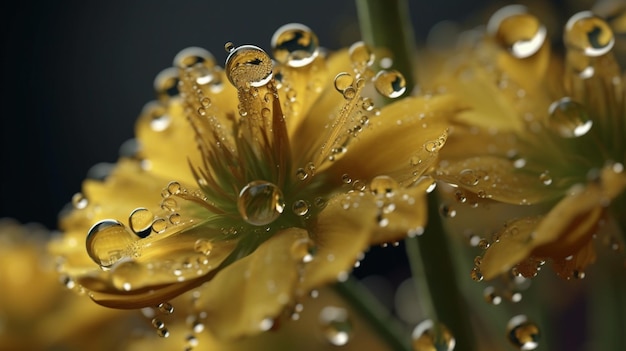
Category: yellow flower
<point>544,129</point>
<point>278,175</point>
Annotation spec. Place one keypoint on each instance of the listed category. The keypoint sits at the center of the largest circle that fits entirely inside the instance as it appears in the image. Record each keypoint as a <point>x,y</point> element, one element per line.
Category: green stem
<point>376,315</point>
<point>433,269</point>
<point>386,24</point>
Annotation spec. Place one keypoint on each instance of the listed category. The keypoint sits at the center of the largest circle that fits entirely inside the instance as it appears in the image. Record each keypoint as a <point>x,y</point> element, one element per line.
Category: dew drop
<point>429,335</point>
<point>164,333</point>
<point>390,84</point>
<point>192,57</point>
<point>367,104</point>
<point>522,333</point>
<point>159,225</point>
<point>588,33</point>
<point>491,296</point>
<point>140,221</point>
<point>248,66</point>
<point>336,325</point>
<point>79,201</point>
<point>468,177</point>
<point>568,118</point>
<point>266,324</point>
<point>295,45</point>
<point>349,93</point>
<point>157,323</point>
<point>229,46</point>
<point>446,211</point>
<point>517,31</point>
<point>173,188</point>
<point>192,341</point>
<point>343,81</point>
<point>300,207</point>
<point>166,83</point>
<point>203,246</point>
<point>174,218</point>
<point>383,186</point>
<point>260,202</point>
<point>545,178</point>
<point>303,250</point>
<point>166,307</point>
<point>361,55</point>
<point>476,275</point>
<point>301,174</point>
<point>107,242</point>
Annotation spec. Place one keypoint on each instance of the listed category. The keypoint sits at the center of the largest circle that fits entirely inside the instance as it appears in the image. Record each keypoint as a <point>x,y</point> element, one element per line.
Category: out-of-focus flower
<point>545,129</point>
<point>276,182</point>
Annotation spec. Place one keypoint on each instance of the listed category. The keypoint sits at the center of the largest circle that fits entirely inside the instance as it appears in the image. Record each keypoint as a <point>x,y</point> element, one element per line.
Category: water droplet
<point>336,325</point>
<point>523,333</point>
<point>174,218</point>
<point>545,178</point>
<point>79,201</point>
<point>301,174</point>
<point>517,31</point>
<point>157,323</point>
<point>159,225</point>
<point>446,211</point>
<point>390,84</point>
<point>476,275</point>
<point>361,55</point>
<point>229,46</point>
<point>192,341</point>
<point>300,207</point>
<point>164,333</point>
<point>491,296</point>
<point>248,66</point>
<point>166,83</point>
<point>468,177</point>
<point>343,81</point>
<point>192,57</point>
<point>367,104</point>
<point>429,335</point>
<point>140,221</point>
<point>107,242</point>
<point>588,33</point>
<point>568,118</point>
<point>173,188</point>
<point>295,45</point>
<point>303,250</point>
<point>203,246</point>
<point>383,186</point>
<point>349,93</point>
<point>260,202</point>
<point>166,307</point>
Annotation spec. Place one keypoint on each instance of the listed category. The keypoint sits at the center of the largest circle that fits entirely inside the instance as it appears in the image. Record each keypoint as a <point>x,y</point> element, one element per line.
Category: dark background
<point>75,75</point>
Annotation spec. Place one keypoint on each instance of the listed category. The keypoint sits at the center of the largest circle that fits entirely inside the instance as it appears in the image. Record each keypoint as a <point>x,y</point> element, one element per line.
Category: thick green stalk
<point>386,24</point>
<point>378,317</point>
<point>433,267</point>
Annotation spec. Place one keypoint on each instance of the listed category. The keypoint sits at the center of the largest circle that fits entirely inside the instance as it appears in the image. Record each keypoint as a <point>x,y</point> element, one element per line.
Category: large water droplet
<point>294,44</point>
<point>248,66</point>
<point>361,55</point>
<point>260,202</point>
<point>166,83</point>
<point>343,81</point>
<point>523,333</point>
<point>383,186</point>
<point>429,335</point>
<point>568,118</point>
<point>588,33</point>
<point>140,221</point>
<point>336,325</point>
<point>192,57</point>
<point>390,83</point>
<point>107,242</point>
<point>516,30</point>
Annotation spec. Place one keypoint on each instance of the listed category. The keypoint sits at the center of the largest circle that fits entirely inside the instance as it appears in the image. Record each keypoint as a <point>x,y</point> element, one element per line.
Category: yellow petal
<point>245,297</point>
<point>496,178</point>
<point>341,234</point>
<point>573,266</point>
<point>401,142</point>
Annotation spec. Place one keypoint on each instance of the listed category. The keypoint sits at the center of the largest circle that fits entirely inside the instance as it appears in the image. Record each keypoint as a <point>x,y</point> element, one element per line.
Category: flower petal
<point>245,297</point>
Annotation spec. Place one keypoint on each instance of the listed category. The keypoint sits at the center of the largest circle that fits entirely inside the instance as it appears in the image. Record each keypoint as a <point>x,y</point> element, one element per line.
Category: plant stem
<point>386,24</point>
<point>371,310</point>
<point>433,270</point>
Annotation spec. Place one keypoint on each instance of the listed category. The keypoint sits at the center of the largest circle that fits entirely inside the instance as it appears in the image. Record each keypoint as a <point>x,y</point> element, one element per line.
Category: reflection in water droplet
<point>523,333</point>
<point>159,225</point>
<point>429,336</point>
<point>518,31</point>
<point>166,308</point>
<point>336,325</point>
<point>140,221</point>
<point>294,44</point>
<point>390,84</point>
<point>194,56</point>
<point>545,178</point>
<point>300,207</point>
<point>588,33</point>
<point>361,55</point>
<point>166,83</point>
<point>248,66</point>
<point>260,202</point>
<point>301,174</point>
<point>107,242</point>
<point>468,177</point>
<point>343,81</point>
<point>383,186</point>
<point>568,118</point>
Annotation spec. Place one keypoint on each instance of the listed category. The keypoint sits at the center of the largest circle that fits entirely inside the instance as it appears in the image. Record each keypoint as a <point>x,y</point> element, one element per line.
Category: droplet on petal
<point>383,186</point>
<point>260,202</point>
<point>589,33</point>
<point>248,66</point>
<point>107,242</point>
<point>390,84</point>
<point>429,335</point>
<point>336,325</point>
<point>295,45</point>
<point>517,31</point>
<point>568,118</point>
<point>79,201</point>
<point>300,207</point>
<point>523,333</point>
<point>140,221</point>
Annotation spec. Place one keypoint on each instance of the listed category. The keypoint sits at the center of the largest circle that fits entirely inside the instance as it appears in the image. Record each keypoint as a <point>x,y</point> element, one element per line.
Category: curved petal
<point>342,232</point>
<point>245,297</point>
